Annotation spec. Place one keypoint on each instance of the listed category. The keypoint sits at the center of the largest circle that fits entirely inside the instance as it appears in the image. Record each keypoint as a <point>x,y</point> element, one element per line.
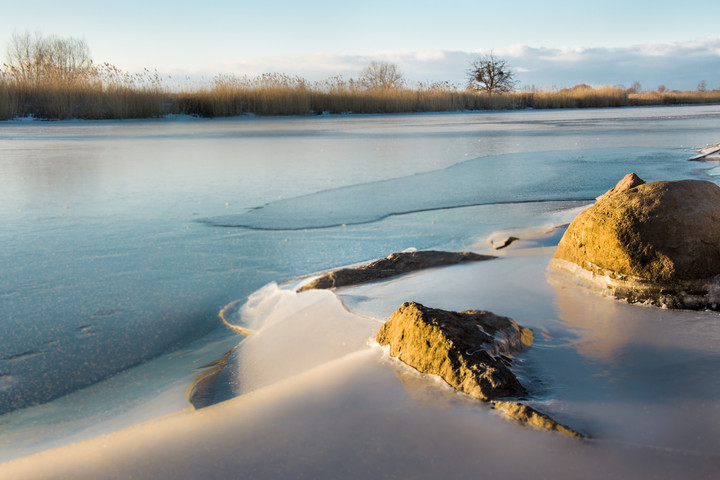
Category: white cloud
<point>678,65</point>
<point>429,55</point>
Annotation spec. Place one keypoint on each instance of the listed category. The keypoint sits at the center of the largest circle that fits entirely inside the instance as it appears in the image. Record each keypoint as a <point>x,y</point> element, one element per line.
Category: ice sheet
<point>149,391</point>
<point>296,332</point>
<point>643,382</point>
<point>101,240</point>
<point>104,267</point>
<point>492,180</point>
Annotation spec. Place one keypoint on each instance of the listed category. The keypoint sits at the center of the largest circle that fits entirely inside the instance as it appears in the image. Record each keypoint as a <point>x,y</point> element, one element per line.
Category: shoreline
<point>189,117</point>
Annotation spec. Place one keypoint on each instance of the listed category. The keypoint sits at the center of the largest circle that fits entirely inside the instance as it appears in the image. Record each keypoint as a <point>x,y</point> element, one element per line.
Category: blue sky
<point>558,43</point>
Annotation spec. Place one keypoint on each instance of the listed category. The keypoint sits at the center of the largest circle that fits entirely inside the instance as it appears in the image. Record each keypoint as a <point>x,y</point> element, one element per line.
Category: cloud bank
<point>676,65</point>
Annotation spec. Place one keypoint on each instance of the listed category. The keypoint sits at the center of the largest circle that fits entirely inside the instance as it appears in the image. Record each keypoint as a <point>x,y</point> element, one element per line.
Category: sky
<point>547,44</point>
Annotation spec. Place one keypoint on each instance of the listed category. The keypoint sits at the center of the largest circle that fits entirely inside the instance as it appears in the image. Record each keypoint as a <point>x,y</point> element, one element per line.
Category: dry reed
<point>105,92</point>
<point>675,98</point>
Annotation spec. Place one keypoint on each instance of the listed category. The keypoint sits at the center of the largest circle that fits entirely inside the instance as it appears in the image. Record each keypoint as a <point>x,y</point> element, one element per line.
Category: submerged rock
<point>202,392</point>
<point>653,242</point>
<point>470,350</point>
<point>394,264</point>
<point>524,414</point>
<point>506,243</point>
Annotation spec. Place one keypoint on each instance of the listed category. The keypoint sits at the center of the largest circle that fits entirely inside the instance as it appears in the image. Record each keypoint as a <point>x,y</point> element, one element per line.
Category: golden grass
<point>675,98</point>
<point>580,96</point>
<point>104,92</point>
<point>8,102</point>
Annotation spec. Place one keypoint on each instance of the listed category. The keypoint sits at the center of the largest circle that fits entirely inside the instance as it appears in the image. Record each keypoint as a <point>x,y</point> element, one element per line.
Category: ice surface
<point>149,391</point>
<point>564,175</point>
<point>641,381</point>
<point>630,373</point>
<point>104,267</point>
<point>295,333</point>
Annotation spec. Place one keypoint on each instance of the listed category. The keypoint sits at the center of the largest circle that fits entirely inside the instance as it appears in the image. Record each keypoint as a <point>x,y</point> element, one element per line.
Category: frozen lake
<point>121,241</point>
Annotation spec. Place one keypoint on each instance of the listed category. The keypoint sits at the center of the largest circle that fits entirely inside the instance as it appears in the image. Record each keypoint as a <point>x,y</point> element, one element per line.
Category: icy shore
<point>318,399</point>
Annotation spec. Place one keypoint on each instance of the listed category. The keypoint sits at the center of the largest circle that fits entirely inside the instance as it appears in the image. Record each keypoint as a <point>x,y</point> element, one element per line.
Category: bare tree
<point>21,55</point>
<point>636,87</point>
<point>489,74</point>
<point>33,58</point>
<point>702,86</point>
<point>381,76</point>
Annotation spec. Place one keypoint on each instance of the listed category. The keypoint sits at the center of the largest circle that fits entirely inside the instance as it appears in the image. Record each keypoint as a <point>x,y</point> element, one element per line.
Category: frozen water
<point>514,178</point>
<point>641,381</point>
<point>110,256</point>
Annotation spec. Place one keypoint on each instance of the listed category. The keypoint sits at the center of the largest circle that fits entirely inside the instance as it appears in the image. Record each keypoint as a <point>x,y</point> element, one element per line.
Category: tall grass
<point>105,92</point>
<point>8,100</point>
<point>580,96</point>
<point>101,92</point>
<point>675,98</point>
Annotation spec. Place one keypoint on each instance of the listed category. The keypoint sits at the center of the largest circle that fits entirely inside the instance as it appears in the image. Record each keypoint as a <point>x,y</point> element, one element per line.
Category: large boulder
<point>394,264</point>
<point>470,350</point>
<point>653,242</point>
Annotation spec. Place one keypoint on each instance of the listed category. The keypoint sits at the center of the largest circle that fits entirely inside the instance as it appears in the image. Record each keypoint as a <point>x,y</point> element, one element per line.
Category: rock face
<point>631,180</point>
<point>653,242</point>
<point>394,264</point>
<point>470,350</point>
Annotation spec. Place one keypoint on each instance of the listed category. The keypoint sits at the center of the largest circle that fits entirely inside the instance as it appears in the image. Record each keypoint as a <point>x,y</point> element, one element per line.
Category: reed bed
<point>675,98</point>
<point>104,92</point>
<point>580,96</point>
